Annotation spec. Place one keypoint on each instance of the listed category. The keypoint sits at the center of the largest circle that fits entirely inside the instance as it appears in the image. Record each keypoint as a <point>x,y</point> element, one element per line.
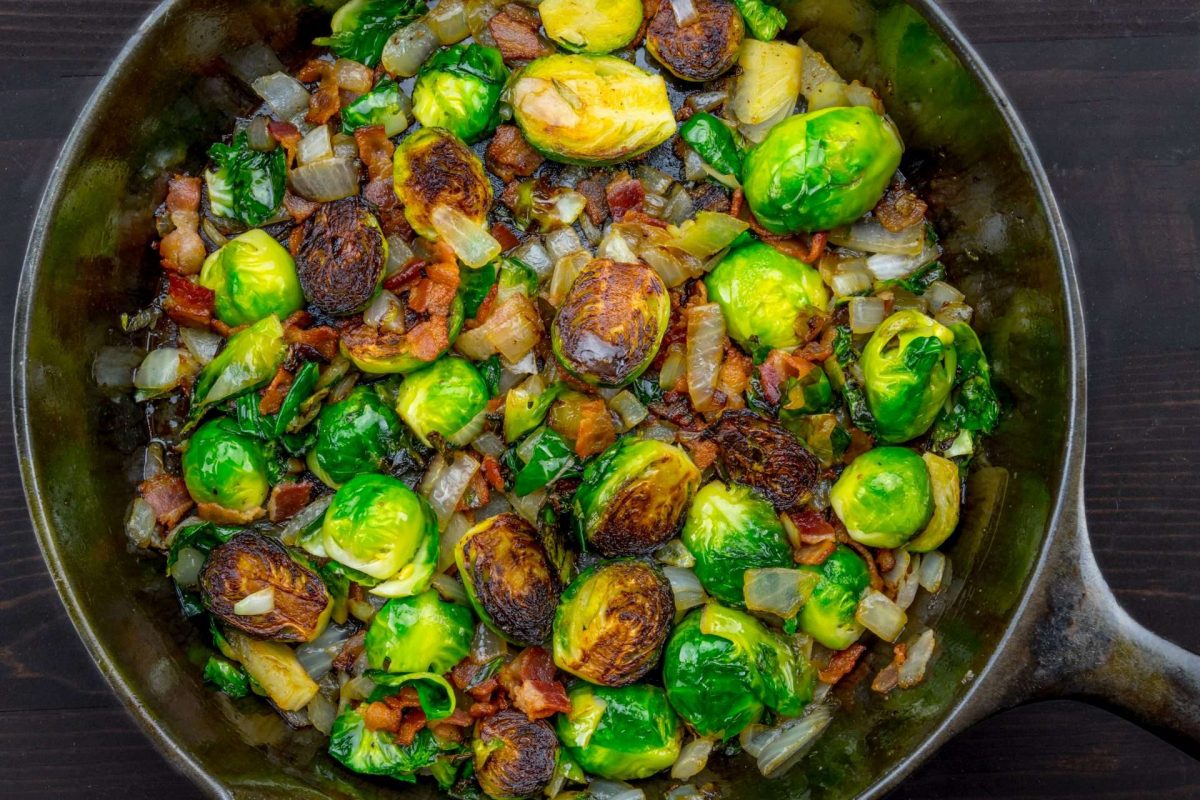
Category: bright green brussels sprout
<point>370,752</point>
<point>442,398</point>
<point>385,105</point>
<point>434,168</point>
<point>459,90</point>
<point>909,364</point>
<point>611,323</point>
<point>380,527</point>
<point>223,467</point>
<point>515,756</point>
<point>377,351</point>
<point>633,496</point>
<point>722,668</point>
<point>622,733</point>
<point>765,296</point>
<point>828,615</point>
<point>729,530</point>
<point>252,276</point>
<point>360,28</point>
<point>422,633</point>
<point>585,26</point>
<point>249,360</point>
<point>611,624</point>
<point>820,170</point>
<point>884,497</point>
<point>353,436</point>
<point>591,109</point>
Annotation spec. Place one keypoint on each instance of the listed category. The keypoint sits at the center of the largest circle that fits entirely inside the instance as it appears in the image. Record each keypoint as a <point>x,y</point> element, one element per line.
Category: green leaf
<point>474,287</point>
<point>246,183</point>
<point>490,370</point>
<point>647,390</point>
<point>714,142</point>
<point>552,459</point>
<point>362,27</point>
<point>435,694</point>
<point>227,677</point>
<point>377,752</point>
<point>302,388</point>
<point>763,21</point>
<point>202,536</point>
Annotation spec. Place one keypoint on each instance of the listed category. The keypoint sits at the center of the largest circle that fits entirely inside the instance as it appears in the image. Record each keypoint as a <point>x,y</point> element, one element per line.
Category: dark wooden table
<point>1110,90</point>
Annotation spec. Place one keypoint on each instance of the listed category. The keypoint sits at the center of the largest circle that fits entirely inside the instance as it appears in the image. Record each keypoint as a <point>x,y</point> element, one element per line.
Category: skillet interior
<point>170,96</point>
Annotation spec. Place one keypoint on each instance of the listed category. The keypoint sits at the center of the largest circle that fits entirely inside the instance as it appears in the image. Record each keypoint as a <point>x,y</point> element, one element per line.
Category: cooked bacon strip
<point>168,496</point>
<point>509,155</point>
<point>188,303</point>
<point>624,194</point>
<point>428,339</point>
<point>814,554</point>
<point>734,376</point>
<point>820,349</point>
<point>889,677</point>
<point>596,429</point>
<point>593,188</point>
<point>530,680</point>
<point>379,716</point>
<point>326,101</point>
<point>777,369</point>
<point>288,499</point>
<point>515,30</point>
<point>298,208</point>
<point>703,452</point>
<point>182,250</point>
<point>809,251</point>
<point>491,471</point>
<point>505,235</point>
<point>450,729</point>
<point>322,339</point>
<point>867,556</point>
<point>227,516</point>
<point>272,397</point>
<point>811,525</point>
<point>287,135</point>
<point>375,150</point>
<point>841,664</point>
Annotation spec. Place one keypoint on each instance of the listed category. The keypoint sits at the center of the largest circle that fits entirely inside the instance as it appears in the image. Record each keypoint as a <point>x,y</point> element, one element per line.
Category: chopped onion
<point>408,48</point>
<point>705,348</point>
<point>866,313</point>
<point>591,232</point>
<point>906,589</point>
<point>868,236</point>
<point>654,180</point>
<point>934,572</point>
<point>162,371</point>
<point>470,241</point>
<point>673,368</point>
<point>941,294</point>
<point>325,181</point>
<point>527,507</point>
<point>566,270</point>
<point>386,312</point>
<point>286,96</point>
<point>258,136</point>
<point>693,758</point>
<point>531,253</point>
<point>352,76</point>
<point>512,330</point>
<point>486,645</point>
<point>708,234</point>
<point>203,344</point>
<point>321,713</point>
<point>851,278</point>
<point>693,166</point>
<point>257,603</point>
<point>912,671</point>
<point>448,489</point>
<point>679,206</point>
<point>615,246</point>
<point>793,739</point>
<point>686,588</point>
<point>489,444</point>
<point>455,528</point>
<point>562,242</point>
<point>467,433</point>
<point>899,569</point>
<point>880,615</point>
<point>628,408</point>
<point>317,145</point>
<point>317,656</point>
<point>355,689</point>
<point>186,569</point>
<point>778,590</point>
<point>479,13</point>
<point>294,530</point>
<point>955,312</point>
<point>114,367</point>
<point>685,12</point>
<point>887,267</point>
<point>600,789</point>
<point>448,21</point>
<point>152,461</point>
<point>673,266</point>
<point>451,589</point>
<point>675,554</point>
<point>904,300</point>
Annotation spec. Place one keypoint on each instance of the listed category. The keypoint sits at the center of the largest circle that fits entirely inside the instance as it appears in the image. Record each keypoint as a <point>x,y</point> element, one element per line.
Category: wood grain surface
<point>1110,90</point>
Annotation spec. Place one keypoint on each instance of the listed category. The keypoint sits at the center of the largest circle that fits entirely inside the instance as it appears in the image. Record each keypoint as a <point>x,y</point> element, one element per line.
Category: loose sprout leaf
<point>381,106</point>
<point>516,275</point>
<point>856,398</point>
<point>202,536</point>
<point>647,389</point>
<point>433,691</point>
<point>474,285</point>
<point>377,752</point>
<point>920,280</point>
<point>228,678</point>
<point>362,27</point>
<point>714,142</point>
<point>552,459</point>
<point>762,20</point>
<point>302,388</point>
<point>247,183</point>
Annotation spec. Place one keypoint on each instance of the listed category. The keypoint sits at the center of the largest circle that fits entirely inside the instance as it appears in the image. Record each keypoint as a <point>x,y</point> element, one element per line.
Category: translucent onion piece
<point>325,181</point>
<point>708,234</point>
<point>693,758</point>
<point>707,101</point>
<point>866,313</point>
<point>616,247</point>
<point>686,588</point>
<point>679,206</point>
<point>955,312</point>
<point>187,566</point>
<point>486,645</point>
<point>317,145</point>
<point>448,490</point>
<point>566,270</point>
<point>934,572</point>
<point>470,241</point>
<point>202,344</point>
<point>489,444</point>
<point>851,278</point>
<point>399,254</point>
<point>448,21</point>
<point>317,656</point>
<point>527,507</point>
<point>568,206</point>
<point>685,12</point>
<point>455,528</point>
<point>912,671</point>
<point>778,590</point>
<point>153,463</point>
<point>628,408</point>
<point>654,180</point>
<point>286,96</point>
<point>673,266</point>
<point>479,13</point>
<point>941,294</point>
<point>321,713</point>
<point>562,242</point>
<point>258,136</point>
<point>903,300</point>
<point>889,267</point>
<point>353,76</point>
<point>293,531</point>
<point>114,367</point>
<point>344,146</point>
<point>385,311</point>
<point>512,330</point>
<point>654,205</point>
<point>693,166</point>
<point>673,368</point>
<point>163,370</point>
<point>451,589</point>
<point>260,602</point>
<point>533,255</point>
<point>906,589</point>
<point>880,615</point>
<point>675,554</point>
<point>705,349</point>
<point>408,48</point>
<point>868,236</point>
<point>356,689</point>
<point>893,576</point>
<point>613,790</point>
<point>794,739</point>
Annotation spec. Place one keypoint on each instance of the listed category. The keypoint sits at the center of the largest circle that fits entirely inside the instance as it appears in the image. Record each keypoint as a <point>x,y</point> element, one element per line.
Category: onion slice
<point>260,602</point>
<point>470,241</point>
<point>880,615</point>
<point>693,758</point>
<point>705,350</point>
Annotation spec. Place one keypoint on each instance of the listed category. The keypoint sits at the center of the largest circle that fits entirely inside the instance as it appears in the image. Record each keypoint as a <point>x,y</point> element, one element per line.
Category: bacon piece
<point>624,194</point>
<point>287,499</point>
<point>413,721</point>
<point>593,188</point>
<point>811,525</point>
<point>298,208</point>
<point>777,369</point>
<point>351,650</point>
<point>505,235</point>
<point>809,251</point>
<point>322,339</point>
<point>379,716</point>
<point>596,429</point>
<point>530,680</point>
<point>227,516</point>
<point>900,208</point>
<point>450,729</point>
<point>406,277</point>
<point>867,556</point>
<point>375,150</point>
<point>734,376</point>
<point>272,397</point>
<point>168,496</point>
<point>491,471</point>
<point>287,135</point>
<point>326,101</point>
<point>703,452</point>
<point>428,339</point>
<point>814,554</point>
<point>188,303</point>
<point>182,250</point>
<point>841,664</point>
<point>885,559</point>
<point>889,677</point>
<point>509,155</point>
<point>515,30</point>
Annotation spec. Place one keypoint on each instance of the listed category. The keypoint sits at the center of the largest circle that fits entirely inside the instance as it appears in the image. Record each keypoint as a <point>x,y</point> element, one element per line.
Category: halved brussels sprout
<point>765,456</point>
<point>434,168</point>
<point>222,466</point>
<point>585,26</point>
<point>353,436</point>
<point>828,615</point>
<point>765,296</point>
<point>378,526</point>
<point>611,323</point>
<point>248,564</point>
<point>947,498</point>
<point>884,497</point>
<point>702,50</point>
<point>633,496</point>
<point>729,530</point>
<point>509,578</point>
<point>816,171</point>
<point>611,624</point>
<point>341,257</point>
<point>620,733</point>
<point>381,352</point>
<point>909,364</point>
<point>591,109</point>
<point>248,361</point>
<point>372,752</point>
<point>252,276</point>
<point>514,755</point>
<point>442,398</point>
<point>459,89</point>
<point>272,665</point>
<point>422,633</point>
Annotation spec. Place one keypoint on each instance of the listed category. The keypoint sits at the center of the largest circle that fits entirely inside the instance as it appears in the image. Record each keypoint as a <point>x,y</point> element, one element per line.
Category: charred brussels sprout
<point>621,734</point>
<point>442,398</point>
<point>380,527</point>
<point>434,168</point>
<point>729,530</point>
<point>459,90</point>
<point>820,170</point>
<point>514,755</point>
<point>703,49</point>
<point>828,615</point>
<point>252,276</point>
<point>353,436</point>
<point>591,109</point>
<point>422,633</point>
<point>223,467</point>
<point>611,323</point>
<point>341,257</point>
<point>509,578</point>
<point>377,351</point>
<point>884,497</point>
<point>633,496</point>
<point>909,364</point>
<point>249,564</point>
<point>585,26</point>
<point>766,296</point>
<point>377,752</point>
<point>611,624</point>
<point>765,456</point>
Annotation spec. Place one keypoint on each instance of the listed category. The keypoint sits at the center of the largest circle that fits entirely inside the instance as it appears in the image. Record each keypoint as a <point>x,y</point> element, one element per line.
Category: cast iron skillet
<point>1027,616</point>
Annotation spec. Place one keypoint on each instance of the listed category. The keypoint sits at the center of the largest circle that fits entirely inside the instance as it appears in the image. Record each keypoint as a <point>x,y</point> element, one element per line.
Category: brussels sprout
<point>702,50</point>
<point>432,168</point>
<point>828,615</point>
<point>246,185</point>
<point>341,257</point>
<point>353,436</point>
<point>385,105</point>
<point>273,666</point>
<point>361,28</point>
<point>763,20</point>
<point>249,563</point>
<point>459,90</point>
<point>722,668</point>
<point>816,171</point>
<point>442,398</point>
<point>611,624</point>
<point>380,352</point>
<point>633,496</point>
<point>763,455</point>
<point>585,26</point>
<point>248,361</point>
<point>766,296</point>
<point>514,755</point>
<point>378,526</point>
<point>947,497</point>
<point>621,733</point>
<point>422,633</point>
<point>509,578</point>
<point>909,364</point>
<point>252,276</point>
<point>611,323</point>
<point>973,406</point>
<point>729,530</point>
<point>223,467</point>
<point>371,752</point>
<point>591,109</point>
<point>884,497</point>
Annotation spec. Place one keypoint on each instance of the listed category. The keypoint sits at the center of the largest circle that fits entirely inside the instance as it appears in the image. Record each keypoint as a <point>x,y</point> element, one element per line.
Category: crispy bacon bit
<point>449,729</point>
<point>624,194</point>
<point>642,218</point>
<point>736,202</point>
<point>889,677</point>
<point>298,208</point>
<point>411,724</point>
<point>287,135</point>
<point>428,339</point>
<point>530,680</point>
<point>375,150</point>
<point>351,650</point>
<point>326,101</point>
<point>811,525</point>
<point>779,367</point>
<point>379,716</point>
<point>272,397</point>
<point>484,710</point>
<point>900,208</point>
<point>814,554</point>
<point>809,251</point>
<point>182,250</point>
<point>734,376</point>
<point>322,339</point>
<point>820,349</point>
<point>477,495</point>
<point>841,664</point>
<point>287,499</point>
<point>406,277</point>
<point>227,516</point>
<point>188,303</point>
<point>491,471</point>
<point>435,294</point>
<point>515,30</point>
<point>509,155</point>
<point>703,452</point>
<point>596,429</point>
<point>885,559</point>
<point>593,188</point>
<point>505,235</point>
<point>168,496</point>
